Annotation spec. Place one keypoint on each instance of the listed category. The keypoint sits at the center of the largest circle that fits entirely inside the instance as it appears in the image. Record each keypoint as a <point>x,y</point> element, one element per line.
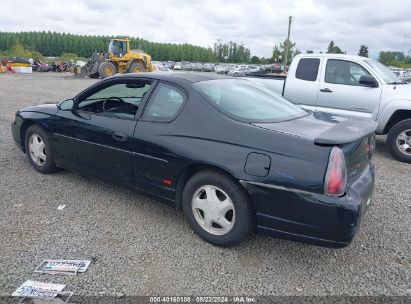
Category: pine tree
<point>363,51</point>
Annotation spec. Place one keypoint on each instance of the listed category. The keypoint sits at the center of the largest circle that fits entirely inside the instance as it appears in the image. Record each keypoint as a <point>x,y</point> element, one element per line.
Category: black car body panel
<point>279,164</point>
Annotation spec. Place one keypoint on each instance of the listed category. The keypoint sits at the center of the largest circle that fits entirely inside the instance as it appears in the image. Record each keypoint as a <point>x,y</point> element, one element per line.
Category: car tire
<point>107,69</point>
<point>217,208</point>
<point>400,135</point>
<point>95,75</point>
<point>38,149</point>
<point>136,67</point>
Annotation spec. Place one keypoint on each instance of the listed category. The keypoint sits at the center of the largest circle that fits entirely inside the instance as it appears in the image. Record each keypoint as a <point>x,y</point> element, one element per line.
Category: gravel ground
<point>142,247</point>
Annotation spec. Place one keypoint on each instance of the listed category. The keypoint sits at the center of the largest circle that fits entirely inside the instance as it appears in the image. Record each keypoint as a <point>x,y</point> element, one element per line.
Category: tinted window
<point>165,103</point>
<point>344,72</point>
<point>243,100</point>
<point>117,100</point>
<point>307,69</point>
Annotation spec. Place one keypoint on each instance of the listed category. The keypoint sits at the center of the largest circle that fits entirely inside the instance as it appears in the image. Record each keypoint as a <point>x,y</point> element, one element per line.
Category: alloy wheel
<point>404,142</point>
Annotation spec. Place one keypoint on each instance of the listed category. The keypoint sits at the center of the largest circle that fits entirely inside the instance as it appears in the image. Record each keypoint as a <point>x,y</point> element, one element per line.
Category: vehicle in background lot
<point>162,133</point>
<point>186,66</point>
<point>221,69</point>
<point>237,71</point>
<point>40,66</point>
<point>406,76</point>
<point>177,66</point>
<point>198,66</point>
<point>119,59</point>
<point>351,86</point>
<point>253,70</point>
<point>207,67</point>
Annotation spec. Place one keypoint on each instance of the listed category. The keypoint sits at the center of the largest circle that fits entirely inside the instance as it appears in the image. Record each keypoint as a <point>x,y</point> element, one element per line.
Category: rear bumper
<point>313,218</point>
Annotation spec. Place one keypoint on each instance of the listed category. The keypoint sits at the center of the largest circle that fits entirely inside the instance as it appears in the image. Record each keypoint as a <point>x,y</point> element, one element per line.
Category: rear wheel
<point>106,69</point>
<point>136,67</point>
<point>38,150</point>
<point>217,208</point>
<point>399,141</point>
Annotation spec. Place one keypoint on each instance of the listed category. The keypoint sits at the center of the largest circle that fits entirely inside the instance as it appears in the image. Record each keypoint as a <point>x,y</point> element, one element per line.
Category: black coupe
<point>234,156</point>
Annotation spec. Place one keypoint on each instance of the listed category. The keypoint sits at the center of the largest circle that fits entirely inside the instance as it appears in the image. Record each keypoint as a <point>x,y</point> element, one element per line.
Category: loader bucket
<point>91,67</point>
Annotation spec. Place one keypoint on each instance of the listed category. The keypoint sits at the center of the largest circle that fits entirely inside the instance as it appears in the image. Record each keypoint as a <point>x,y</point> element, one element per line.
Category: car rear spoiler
<point>346,132</point>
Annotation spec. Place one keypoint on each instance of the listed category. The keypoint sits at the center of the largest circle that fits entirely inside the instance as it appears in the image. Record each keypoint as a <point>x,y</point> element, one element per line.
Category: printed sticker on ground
<point>34,289</point>
<point>63,266</point>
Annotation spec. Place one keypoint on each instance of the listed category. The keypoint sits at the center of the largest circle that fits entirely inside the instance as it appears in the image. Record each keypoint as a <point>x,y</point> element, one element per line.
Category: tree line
<point>70,46</point>
<point>52,44</point>
<point>389,58</point>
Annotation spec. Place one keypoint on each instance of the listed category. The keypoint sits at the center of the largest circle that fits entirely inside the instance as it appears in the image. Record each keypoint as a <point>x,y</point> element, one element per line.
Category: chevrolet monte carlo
<point>234,156</point>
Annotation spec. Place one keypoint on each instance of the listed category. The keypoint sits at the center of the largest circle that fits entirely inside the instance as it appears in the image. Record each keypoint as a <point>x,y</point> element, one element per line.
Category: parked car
<point>352,86</point>
<point>237,71</point>
<point>198,66</point>
<point>186,66</point>
<point>207,67</point>
<point>234,156</point>
<point>253,70</point>
<point>177,66</point>
<point>221,69</point>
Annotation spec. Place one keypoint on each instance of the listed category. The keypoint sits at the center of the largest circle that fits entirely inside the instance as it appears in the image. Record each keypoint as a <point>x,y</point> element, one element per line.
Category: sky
<point>381,25</point>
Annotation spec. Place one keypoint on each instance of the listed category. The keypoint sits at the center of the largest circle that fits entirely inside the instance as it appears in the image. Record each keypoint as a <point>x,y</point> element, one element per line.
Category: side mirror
<point>66,105</point>
<point>368,81</point>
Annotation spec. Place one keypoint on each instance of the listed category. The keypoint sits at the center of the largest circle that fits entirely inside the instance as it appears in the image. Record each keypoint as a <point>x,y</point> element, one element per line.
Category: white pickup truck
<point>351,86</point>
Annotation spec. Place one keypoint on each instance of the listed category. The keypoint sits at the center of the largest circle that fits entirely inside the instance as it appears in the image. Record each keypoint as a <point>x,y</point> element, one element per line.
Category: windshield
<point>243,100</point>
<point>382,71</point>
<point>118,48</point>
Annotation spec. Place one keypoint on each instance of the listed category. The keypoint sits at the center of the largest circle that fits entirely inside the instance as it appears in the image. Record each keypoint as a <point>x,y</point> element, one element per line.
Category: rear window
<point>307,69</point>
<point>245,101</point>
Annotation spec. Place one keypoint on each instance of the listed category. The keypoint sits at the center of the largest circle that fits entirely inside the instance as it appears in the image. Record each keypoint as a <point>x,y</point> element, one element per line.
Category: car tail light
<point>336,176</point>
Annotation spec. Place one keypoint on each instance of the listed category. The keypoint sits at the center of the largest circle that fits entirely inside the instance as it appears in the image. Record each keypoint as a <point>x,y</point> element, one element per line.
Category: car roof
<point>173,76</point>
<point>340,56</point>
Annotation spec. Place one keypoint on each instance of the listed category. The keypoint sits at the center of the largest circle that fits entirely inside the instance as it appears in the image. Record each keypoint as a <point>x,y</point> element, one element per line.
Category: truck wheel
<point>136,67</point>
<point>95,75</point>
<point>399,141</point>
<point>107,69</point>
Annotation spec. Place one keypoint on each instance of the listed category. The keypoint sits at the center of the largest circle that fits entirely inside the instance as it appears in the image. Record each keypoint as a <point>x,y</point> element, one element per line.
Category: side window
<point>307,69</point>
<point>117,100</point>
<point>344,72</point>
<point>165,103</point>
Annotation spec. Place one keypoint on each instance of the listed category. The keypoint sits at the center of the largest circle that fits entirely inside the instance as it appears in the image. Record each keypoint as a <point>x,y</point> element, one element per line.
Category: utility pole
<point>286,44</point>
<point>403,45</point>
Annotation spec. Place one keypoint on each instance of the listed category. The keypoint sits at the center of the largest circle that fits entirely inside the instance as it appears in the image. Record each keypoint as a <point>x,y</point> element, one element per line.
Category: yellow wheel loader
<point>119,59</point>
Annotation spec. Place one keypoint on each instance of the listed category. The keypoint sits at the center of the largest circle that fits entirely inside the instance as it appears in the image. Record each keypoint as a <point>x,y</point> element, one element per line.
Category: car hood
<point>401,91</point>
<point>324,128</point>
<point>50,108</point>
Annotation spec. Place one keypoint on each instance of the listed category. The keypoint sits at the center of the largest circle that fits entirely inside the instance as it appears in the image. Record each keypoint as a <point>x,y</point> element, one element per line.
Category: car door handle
<point>119,136</point>
<point>326,90</point>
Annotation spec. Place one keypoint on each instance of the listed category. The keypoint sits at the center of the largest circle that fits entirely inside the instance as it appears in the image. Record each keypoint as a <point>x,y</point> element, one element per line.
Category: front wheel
<point>38,150</point>
<point>106,69</point>
<point>399,141</point>
<point>217,208</point>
